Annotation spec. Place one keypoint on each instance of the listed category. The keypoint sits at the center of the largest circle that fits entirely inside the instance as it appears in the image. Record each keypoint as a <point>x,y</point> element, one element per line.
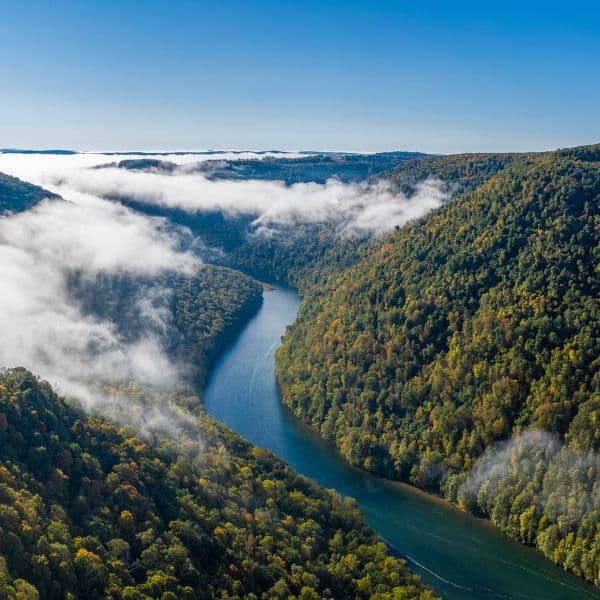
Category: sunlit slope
<point>462,329</point>
<point>310,254</point>
<point>91,510</point>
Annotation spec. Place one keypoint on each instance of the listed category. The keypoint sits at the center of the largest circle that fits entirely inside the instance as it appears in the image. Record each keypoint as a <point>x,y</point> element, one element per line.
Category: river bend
<point>458,555</point>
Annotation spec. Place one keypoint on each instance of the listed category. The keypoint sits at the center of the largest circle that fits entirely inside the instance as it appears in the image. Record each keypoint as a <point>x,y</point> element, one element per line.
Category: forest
<point>473,325</point>
<point>91,510</point>
<point>17,195</point>
<point>459,354</point>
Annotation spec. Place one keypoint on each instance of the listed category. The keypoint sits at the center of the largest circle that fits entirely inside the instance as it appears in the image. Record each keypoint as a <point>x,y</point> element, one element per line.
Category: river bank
<point>457,554</point>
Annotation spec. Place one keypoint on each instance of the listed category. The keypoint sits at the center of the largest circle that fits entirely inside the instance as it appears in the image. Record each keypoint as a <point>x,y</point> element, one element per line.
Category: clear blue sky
<point>432,76</point>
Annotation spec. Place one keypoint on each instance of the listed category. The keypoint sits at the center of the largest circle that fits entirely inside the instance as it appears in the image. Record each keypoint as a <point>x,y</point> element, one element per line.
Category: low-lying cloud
<point>44,327</point>
<point>361,208</point>
<point>365,208</point>
<point>48,329</point>
<point>542,471</point>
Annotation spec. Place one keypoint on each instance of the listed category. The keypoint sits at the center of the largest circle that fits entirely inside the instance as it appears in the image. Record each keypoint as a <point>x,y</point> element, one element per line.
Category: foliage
<point>88,510</point>
<point>460,172</point>
<point>476,323</point>
<point>17,196</point>
<point>209,309</point>
<point>308,255</point>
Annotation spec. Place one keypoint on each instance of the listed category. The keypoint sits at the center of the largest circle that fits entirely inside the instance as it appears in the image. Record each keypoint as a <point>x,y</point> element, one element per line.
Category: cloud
<point>157,415</point>
<point>375,208</point>
<point>355,208</point>
<point>44,326</point>
<point>47,327</point>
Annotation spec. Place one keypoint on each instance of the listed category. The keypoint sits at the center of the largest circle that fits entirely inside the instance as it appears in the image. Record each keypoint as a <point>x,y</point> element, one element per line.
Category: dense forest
<point>460,172</point>
<point>209,310</point>
<point>17,196</point>
<point>475,324</point>
<point>307,255</point>
<point>89,510</point>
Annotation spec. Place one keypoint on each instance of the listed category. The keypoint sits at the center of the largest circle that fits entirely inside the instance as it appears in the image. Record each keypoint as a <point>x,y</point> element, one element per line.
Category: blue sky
<point>431,76</point>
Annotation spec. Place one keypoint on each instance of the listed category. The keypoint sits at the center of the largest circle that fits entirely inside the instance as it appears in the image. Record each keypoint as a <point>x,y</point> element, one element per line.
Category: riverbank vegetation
<point>470,326</point>
<point>209,310</point>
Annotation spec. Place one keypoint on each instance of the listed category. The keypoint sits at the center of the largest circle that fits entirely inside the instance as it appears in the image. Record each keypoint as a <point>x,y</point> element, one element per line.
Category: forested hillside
<point>91,510</point>
<point>308,255</point>
<point>193,317</point>
<point>318,167</point>
<point>463,329</point>
<point>460,172</point>
<point>209,310</point>
<point>17,195</point>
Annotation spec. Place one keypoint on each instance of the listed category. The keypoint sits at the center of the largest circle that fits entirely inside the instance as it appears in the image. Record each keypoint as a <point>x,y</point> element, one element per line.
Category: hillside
<point>209,310</point>
<point>318,167</point>
<point>92,510</point>
<point>463,329</point>
<point>195,317</point>
<point>306,255</point>
<point>461,172</point>
<point>17,195</point>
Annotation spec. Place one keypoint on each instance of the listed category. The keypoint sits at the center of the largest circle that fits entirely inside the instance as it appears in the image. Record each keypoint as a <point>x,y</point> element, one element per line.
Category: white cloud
<point>46,329</point>
<point>356,208</point>
<point>43,327</point>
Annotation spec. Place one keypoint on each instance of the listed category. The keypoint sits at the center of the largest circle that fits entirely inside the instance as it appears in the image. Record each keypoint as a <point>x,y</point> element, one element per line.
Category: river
<point>458,555</point>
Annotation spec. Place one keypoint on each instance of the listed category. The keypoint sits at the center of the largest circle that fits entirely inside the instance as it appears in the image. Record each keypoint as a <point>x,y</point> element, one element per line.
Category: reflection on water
<point>460,556</point>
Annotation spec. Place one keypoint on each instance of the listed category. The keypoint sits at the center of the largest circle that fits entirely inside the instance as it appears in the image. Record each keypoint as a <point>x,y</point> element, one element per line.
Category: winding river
<point>458,555</point>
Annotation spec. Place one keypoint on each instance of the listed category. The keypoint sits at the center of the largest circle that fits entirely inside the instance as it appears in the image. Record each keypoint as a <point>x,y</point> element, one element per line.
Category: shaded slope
<point>17,195</point>
<point>316,168</point>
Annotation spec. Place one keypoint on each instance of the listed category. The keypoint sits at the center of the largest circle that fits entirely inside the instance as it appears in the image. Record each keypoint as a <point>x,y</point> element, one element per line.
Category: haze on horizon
<point>347,76</point>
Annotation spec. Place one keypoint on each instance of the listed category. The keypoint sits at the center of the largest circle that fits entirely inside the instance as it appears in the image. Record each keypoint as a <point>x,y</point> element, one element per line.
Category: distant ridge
<point>21,151</point>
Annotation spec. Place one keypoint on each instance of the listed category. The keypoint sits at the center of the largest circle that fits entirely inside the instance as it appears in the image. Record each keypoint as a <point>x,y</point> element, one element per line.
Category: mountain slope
<point>17,195</point>
<point>461,172</point>
<point>474,324</point>
<point>92,510</point>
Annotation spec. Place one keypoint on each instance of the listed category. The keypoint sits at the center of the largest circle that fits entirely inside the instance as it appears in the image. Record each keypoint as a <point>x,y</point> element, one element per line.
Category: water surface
<point>458,555</point>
